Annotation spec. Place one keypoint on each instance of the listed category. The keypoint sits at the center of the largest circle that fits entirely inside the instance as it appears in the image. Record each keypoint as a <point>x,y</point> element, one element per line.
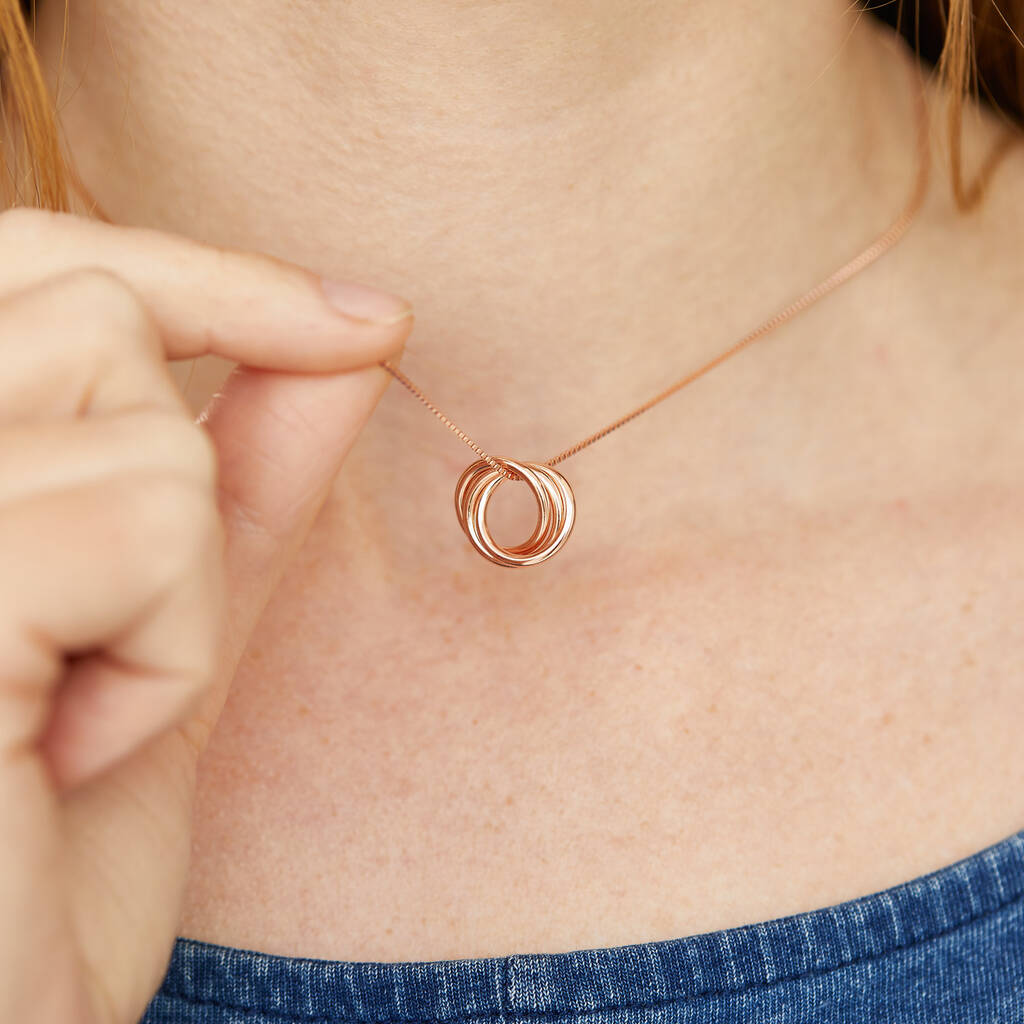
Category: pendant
<point>556,510</point>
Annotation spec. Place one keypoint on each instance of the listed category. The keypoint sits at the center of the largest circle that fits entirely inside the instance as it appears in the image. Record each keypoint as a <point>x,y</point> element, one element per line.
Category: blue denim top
<point>944,948</point>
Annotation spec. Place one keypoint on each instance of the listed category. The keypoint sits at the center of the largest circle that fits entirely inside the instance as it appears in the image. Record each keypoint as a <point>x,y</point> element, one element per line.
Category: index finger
<point>249,307</point>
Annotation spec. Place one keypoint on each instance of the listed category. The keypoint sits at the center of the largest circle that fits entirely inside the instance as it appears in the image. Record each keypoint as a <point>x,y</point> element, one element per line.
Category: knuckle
<point>174,523</point>
<point>110,297</point>
<point>21,224</point>
<point>110,315</point>
<point>115,316</point>
<point>177,442</point>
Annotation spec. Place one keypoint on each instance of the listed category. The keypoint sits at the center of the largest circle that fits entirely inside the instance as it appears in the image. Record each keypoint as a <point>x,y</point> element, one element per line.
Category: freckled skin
<point>778,664</point>
<point>815,748</point>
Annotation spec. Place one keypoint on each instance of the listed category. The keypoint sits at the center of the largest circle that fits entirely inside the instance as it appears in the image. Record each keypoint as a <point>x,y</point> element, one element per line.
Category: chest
<point>779,721</point>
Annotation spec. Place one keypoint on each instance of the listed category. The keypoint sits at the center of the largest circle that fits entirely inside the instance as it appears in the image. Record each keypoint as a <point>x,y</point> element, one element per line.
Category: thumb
<point>281,439</point>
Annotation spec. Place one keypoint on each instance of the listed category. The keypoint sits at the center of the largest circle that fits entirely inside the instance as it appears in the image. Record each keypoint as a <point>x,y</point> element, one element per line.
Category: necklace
<point>556,504</point>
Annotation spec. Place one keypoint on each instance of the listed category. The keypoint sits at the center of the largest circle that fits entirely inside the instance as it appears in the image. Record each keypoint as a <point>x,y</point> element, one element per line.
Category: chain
<point>884,242</point>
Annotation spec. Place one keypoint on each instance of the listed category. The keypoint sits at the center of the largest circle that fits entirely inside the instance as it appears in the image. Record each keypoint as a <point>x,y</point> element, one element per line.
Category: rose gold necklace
<point>556,505</point>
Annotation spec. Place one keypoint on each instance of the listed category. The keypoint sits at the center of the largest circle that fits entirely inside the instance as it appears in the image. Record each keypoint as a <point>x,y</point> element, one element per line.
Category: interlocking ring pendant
<point>556,510</point>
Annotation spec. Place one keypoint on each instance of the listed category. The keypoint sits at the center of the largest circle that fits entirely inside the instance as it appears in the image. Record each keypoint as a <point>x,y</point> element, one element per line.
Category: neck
<point>583,199</point>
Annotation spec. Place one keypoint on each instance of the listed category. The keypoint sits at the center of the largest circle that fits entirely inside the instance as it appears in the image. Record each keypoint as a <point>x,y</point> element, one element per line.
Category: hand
<point>137,550</point>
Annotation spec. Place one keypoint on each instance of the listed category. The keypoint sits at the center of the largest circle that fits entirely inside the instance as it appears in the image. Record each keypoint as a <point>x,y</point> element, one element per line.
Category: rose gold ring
<point>556,510</point>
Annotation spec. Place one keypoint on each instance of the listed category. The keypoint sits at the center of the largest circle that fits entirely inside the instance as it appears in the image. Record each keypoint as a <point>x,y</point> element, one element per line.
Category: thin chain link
<point>884,242</point>
<point>460,434</point>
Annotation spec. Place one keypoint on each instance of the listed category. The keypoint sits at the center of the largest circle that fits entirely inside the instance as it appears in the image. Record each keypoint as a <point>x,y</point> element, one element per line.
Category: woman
<point>746,749</point>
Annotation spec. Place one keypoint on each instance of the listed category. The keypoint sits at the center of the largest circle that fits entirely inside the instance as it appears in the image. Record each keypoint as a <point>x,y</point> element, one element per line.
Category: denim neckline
<point>639,975</point>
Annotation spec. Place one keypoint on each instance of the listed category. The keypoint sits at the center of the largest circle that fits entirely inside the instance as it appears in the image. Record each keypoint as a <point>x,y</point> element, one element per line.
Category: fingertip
<point>379,343</point>
<point>364,304</point>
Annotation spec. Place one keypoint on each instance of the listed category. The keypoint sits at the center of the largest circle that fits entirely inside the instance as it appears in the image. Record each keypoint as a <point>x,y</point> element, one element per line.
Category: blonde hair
<point>36,169</point>
<point>976,46</point>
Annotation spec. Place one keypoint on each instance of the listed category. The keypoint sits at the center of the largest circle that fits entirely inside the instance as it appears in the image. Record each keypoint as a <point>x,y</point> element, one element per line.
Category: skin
<point>777,665</point>
<point>139,549</point>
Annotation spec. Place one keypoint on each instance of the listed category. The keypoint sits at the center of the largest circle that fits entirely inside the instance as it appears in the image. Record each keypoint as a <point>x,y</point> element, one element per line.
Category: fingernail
<point>361,302</point>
